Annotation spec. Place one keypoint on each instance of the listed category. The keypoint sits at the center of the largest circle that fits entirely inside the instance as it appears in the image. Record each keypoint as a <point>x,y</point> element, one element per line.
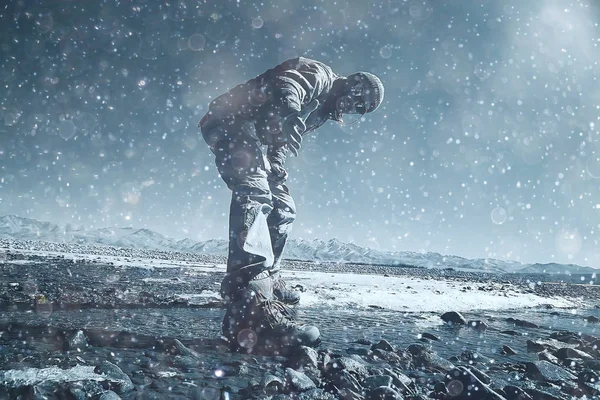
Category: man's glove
<point>294,126</point>
<point>278,175</point>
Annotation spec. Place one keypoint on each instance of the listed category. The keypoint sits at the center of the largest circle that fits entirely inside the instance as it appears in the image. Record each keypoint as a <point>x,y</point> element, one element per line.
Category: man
<point>274,110</point>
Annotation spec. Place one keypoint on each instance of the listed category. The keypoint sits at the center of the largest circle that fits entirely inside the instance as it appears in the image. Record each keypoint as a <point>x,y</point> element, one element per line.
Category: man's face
<point>354,101</point>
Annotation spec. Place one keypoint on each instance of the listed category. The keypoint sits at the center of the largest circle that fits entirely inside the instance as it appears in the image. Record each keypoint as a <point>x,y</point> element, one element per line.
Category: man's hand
<point>294,126</point>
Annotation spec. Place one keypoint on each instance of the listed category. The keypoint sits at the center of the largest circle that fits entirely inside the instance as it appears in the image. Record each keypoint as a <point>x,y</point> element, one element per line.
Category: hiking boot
<point>282,293</point>
<point>255,321</point>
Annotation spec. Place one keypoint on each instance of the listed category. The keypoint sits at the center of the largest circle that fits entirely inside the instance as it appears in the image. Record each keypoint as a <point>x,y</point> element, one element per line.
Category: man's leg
<point>239,160</point>
<point>253,317</point>
<point>280,221</point>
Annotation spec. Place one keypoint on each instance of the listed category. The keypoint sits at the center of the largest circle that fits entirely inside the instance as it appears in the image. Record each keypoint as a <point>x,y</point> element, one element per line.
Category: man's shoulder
<point>303,62</point>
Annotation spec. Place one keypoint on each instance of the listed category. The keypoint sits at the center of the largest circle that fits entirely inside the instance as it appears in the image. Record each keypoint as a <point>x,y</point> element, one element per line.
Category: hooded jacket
<point>277,93</point>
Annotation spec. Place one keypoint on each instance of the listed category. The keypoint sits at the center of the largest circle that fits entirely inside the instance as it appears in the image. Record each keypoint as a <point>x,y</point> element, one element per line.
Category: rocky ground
<point>132,327</point>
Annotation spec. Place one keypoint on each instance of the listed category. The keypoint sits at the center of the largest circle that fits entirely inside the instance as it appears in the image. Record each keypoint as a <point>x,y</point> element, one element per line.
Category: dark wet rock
<point>566,337</point>
<point>453,317</point>
<point>478,324</point>
<point>473,357</point>
<point>350,394</point>
<point>511,333</point>
<point>383,345</point>
<point>572,389</point>
<point>432,362</point>
<point>364,341</point>
<point>507,351</point>
<point>78,341</point>
<point>588,376</point>
<point>361,351</point>
<point>541,345</point>
<point>349,364</point>
<point>316,394</point>
<point>592,364</point>
<point>592,319</point>
<point>342,379</point>
<point>118,379</point>
<point>199,393</point>
<point>374,381</point>
<point>84,390</point>
<point>521,323</point>
<point>416,349</point>
<point>463,384</point>
<point>183,362</point>
<point>402,382</point>
<point>185,351</point>
<point>272,384</point>
<point>547,356</point>
<point>304,357</point>
<point>573,363</point>
<point>516,393</point>
<point>384,393</point>
<point>429,336</point>
<point>567,352</point>
<point>388,356</point>
<point>482,376</point>
<point>545,371</point>
<point>298,381</point>
<point>46,390</point>
<point>537,394</point>
<point>109,395</point>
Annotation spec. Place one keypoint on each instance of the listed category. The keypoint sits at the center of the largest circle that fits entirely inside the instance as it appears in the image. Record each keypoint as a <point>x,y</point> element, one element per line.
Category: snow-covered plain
<point>347,290</point>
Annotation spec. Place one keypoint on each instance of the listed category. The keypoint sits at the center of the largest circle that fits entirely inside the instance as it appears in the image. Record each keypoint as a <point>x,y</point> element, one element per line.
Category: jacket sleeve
<point>295,84</point>
<point>277,154</point>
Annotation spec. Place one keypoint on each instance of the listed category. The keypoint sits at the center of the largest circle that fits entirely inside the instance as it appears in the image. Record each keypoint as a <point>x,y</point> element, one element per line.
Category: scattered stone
<point>538,394</point>
<point>272,384</point>
<point>592,364</point>
<point>521,323</point>
<point>383,345</point>
<point>453,317</point>
<point>516,393</point>
<point>119,380</point>
<point>462,384</point>
<point>109,395</point>
<point>429,336</point>
<point>84,390</point>
<point>507,351</point>
<point>388,356</point>
<point>305,357</point>
<point>374,381</point>
<point>547,356</point>
<point>78,341</point>
<point>316,394</point>
<point>361,351</point>
<point>186,351</point>
<point>567,352</point>
<point>298,380</point>
<point>511,333</point>
<point>402,382</point>
<point>541,345</point>
<point>545,371</point>
<point>566,337</point>
<point>384,393</point>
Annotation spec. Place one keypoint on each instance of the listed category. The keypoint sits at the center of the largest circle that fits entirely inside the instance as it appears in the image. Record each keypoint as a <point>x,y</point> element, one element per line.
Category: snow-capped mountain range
<point>14,227</point>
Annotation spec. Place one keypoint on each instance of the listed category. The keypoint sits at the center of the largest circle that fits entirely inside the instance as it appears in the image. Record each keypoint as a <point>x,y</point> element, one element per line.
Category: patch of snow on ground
<point>33,376</point>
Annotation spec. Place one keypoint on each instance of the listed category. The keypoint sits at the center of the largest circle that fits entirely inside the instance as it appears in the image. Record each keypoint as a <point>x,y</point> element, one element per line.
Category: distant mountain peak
<point>311,249</point>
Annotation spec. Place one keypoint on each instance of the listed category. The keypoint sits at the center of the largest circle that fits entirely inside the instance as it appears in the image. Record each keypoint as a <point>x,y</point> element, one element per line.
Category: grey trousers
<point>261,211</point>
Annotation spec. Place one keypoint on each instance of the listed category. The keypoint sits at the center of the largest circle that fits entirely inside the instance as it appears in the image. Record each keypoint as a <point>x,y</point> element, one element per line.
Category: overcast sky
<point>486,145</point>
